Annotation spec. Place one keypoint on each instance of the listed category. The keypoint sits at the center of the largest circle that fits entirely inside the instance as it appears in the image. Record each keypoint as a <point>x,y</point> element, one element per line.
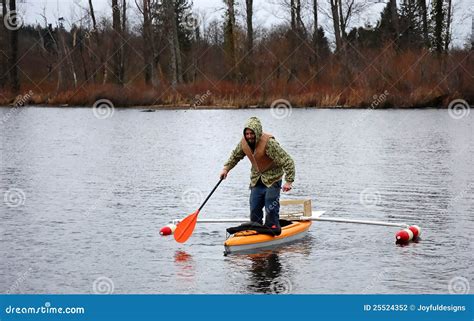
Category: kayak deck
<point>242,241</point>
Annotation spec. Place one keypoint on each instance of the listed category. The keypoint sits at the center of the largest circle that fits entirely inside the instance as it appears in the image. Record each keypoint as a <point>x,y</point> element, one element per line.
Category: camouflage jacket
<point>283,162</point>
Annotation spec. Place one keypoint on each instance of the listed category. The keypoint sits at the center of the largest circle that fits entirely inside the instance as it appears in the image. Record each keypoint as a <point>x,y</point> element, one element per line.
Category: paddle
<point>186,227</point>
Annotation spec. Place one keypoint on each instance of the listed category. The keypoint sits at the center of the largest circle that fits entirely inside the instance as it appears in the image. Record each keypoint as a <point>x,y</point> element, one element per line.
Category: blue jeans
<point>268,197</point>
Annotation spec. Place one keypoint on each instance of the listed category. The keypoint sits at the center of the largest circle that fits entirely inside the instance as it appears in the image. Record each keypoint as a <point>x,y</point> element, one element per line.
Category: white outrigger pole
<point>316,216</point>
<point>343,220</point>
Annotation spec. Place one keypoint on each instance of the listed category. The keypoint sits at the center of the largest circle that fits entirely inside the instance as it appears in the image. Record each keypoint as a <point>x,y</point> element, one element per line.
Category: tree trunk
<point>3,44</point>
<point>315,37</point>
<point>173,71</point>
<point>293,14</point>
<point>13,59</point>
<point>342,22</point>
<point>299,22</point>
<point>67,55</point>
<point>229,38</point>
<point>179,68</point>
<point>293,39</point>
<point>80,44</point>
<point>447,39</point>
<point>147,39</point>
<point>117,41</point>
<point>424,18</point>
<point>175,57</point>
<point>123,43</point>
<point>396,27</point>
<point>249,44</point>
<point>335,22</point>
<point>95,34</point>
<point>472,34</point>
<point>438,29</point>
<point>60,86</point>
<point>173,42</point>
<point>249,9</point>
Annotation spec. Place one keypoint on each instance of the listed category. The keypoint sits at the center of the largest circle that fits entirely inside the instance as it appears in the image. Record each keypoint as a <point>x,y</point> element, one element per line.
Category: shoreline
<point>153,108</point>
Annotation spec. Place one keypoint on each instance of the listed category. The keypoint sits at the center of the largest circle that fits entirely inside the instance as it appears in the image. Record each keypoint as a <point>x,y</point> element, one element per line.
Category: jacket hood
<point>254,124</point>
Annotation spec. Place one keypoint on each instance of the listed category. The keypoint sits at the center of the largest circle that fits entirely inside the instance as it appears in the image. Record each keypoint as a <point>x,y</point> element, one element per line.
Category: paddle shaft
<point>210,194</point>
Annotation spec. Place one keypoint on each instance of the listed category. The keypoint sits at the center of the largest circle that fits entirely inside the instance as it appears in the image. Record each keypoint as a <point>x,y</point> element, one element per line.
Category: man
<point>269,162</point>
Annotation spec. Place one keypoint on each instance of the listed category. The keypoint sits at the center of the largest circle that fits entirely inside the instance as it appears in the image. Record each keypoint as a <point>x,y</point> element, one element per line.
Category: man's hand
<point>287,187</point>
<point>223,174</point>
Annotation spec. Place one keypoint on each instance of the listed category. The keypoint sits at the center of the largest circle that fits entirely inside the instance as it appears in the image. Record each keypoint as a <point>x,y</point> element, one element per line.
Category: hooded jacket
<point>275,162</point>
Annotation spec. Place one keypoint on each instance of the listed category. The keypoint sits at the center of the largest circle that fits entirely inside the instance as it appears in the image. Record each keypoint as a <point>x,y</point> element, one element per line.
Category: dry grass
<point>410,79</point>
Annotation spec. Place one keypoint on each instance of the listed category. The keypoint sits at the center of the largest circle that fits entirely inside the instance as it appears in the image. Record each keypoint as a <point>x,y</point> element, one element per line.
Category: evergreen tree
<point>411,22</point>
<point>438,25</point>
<point>323,44</point>
<point>386,28</point>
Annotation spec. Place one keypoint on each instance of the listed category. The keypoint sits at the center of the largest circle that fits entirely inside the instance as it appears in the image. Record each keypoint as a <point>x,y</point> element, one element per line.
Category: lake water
<point>83,199</point>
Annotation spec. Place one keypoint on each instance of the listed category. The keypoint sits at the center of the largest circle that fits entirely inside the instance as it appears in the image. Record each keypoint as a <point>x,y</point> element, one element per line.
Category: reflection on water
<point>271,271</point>
<point>184,265</point>
<point>264,269</point>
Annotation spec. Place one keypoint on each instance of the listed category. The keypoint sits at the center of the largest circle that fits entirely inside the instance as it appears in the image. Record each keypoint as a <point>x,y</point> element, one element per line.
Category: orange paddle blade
<point>185,228</point>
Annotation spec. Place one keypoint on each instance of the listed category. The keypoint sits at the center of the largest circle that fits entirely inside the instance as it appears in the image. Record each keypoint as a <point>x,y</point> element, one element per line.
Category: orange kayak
<point>250,240</point>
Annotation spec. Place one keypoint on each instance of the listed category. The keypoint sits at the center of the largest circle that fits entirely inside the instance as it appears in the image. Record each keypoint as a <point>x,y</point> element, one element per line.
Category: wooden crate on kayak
<point>307,210</point>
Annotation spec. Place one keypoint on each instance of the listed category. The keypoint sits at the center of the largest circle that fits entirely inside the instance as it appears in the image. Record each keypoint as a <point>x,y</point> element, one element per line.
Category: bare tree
<point>292,14</point>
<point>447,39</point>
<point>249,71</point>
<point>123,44</point>
<point>249,20</point>
<point>342,12</point>
<point>472,34</point>
<point>66,52</point>
<point>424,19</point>
<point>49,48</point>
<point>117,44</point>
<point>438,26</point>
<point>315,34</point>
<point>229,37</point>
<point>175,52</point>
<point>13,58</point>
<point>147,35</point>
<point>78,42</point>
<point>97,40</point>
<point>3,44</point>
<point>336,24</point>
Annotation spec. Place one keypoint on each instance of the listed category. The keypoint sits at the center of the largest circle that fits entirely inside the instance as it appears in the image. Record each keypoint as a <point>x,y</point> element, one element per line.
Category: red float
<point>404,236</point>
<point>415,230</point>
<point>168,229</point>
